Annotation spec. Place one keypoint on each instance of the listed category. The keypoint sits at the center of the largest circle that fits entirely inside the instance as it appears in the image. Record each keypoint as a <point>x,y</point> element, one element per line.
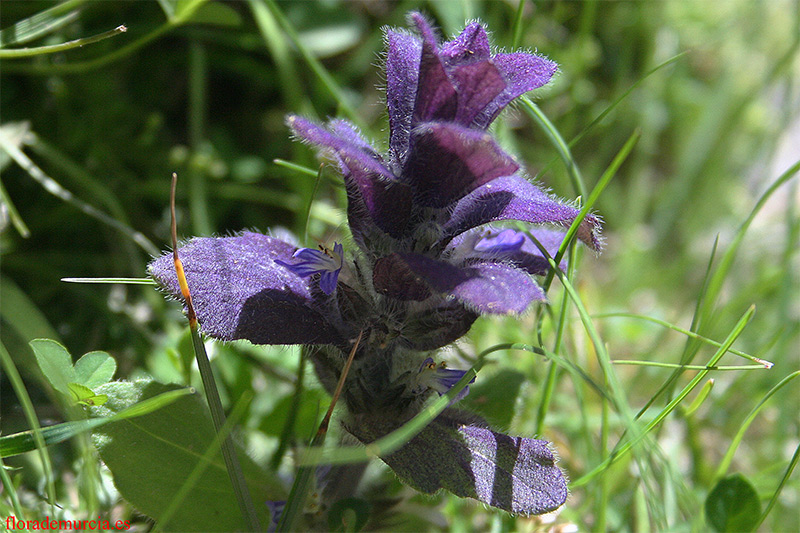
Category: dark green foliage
<point>733,505</point>
<point>154,458</point>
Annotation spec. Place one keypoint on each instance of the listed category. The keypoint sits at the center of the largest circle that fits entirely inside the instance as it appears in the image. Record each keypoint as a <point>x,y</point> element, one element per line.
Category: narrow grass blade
<point>589,202</point>
<point>297,168</point>
<point>55,48</point>
<point>25,441</point>
<point>288,429</point>
<point>622,96</point>
<point>625,447</point>
<point>302,483</point>
<point>36,436</point>
<point>232,464</point>
<point>11,490</point>
<point>701,397</point>
<point>764,363</point>
<point>774,499</point>
<point>657,364</point>
<point>184,14</point>
<point>13,214</point>
<point>536,114</point>
<point>54,188</point>
<point>41,23</point>
<point>722,469</point>
<point>517,28</point>
<point>122,281</point>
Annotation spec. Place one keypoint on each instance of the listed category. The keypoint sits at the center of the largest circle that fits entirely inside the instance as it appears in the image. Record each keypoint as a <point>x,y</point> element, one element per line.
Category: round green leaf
<point>733,505</point>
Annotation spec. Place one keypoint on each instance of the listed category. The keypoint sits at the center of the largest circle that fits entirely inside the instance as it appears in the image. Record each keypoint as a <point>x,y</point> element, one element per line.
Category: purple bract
<point>425,262</point>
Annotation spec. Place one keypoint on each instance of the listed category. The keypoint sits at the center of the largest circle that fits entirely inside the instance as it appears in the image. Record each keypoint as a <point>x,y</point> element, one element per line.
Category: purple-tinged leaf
<point>522,72</point>
<point>471,45</point>
<point>393,277</point>
<point>402,76</point>
<point>437,327</point>
<point>515,198</point>
<point>386,200</point>
<point>448,161</point>
<point>498,289</point>
<point>240,292</point>
<point>483,287</point>
<point>477,84</point>
<point>516,474</point>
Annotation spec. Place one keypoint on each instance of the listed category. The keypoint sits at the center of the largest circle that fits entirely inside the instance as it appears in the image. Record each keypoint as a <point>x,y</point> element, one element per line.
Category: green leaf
<point>169,445</point>
<point>495,397</point>
<point>85,396</point>
<point>733,505</point>
<point>95,369</point>
<point>38,25</point>
<point>26,319</point>
<point>183,10</point>
<point>25,442</point>
<point>216,14</point>
<point>312,404</point>
<point>55,362</point>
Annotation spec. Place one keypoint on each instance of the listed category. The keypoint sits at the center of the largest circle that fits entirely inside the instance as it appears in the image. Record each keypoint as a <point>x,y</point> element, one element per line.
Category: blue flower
<point>426,263</point>
<point>440,378</point>
<point>327,263</point>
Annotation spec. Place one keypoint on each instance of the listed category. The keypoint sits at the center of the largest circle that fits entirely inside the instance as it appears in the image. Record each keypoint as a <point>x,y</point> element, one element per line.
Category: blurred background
<point>105,125</point>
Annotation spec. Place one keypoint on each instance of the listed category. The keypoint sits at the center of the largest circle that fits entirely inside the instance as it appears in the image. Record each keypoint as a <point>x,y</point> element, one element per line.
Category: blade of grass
<point>516,30</point>
<point>297,168</point>
<point>589,202</point>
<point>10,489</point>
<point>55,48</point>
<point>656,364</point>
<point>686,356</point>
<point>205,461</point>
<point>762,362</point>
<point>123,281</point>
<point>302,482</point>
<point>41,23</point>
<point>232,464</point>
<point>310,204</point>
<point>316,67</point>
<point>725,463</point>
<point>575,140</point>
<point>86,66</point>
<point>30,415</point>
<point>774,499</point>
<point>552,372</point>
<point>538,117</point>
<point>54,188</point>
<point>13,214</point>
<point>722,270</point>
<point>294,408</point>
<point>623,448</point>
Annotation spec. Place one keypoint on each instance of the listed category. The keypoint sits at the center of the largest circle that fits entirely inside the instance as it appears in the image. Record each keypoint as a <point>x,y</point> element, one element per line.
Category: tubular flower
<point>425,263</point>
<point>326,263</point>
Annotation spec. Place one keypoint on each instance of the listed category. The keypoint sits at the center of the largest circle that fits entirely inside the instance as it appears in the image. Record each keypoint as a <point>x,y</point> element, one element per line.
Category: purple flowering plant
<point>427,258</point>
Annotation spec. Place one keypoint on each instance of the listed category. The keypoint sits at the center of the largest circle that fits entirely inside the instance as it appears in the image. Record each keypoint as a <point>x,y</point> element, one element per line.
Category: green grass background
<point>109,122</point>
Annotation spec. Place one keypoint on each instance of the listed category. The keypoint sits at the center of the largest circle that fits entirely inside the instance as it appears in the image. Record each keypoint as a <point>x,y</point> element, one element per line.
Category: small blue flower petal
<point>505,241</point>
<point>441,379</point>
<point>327,263</point>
